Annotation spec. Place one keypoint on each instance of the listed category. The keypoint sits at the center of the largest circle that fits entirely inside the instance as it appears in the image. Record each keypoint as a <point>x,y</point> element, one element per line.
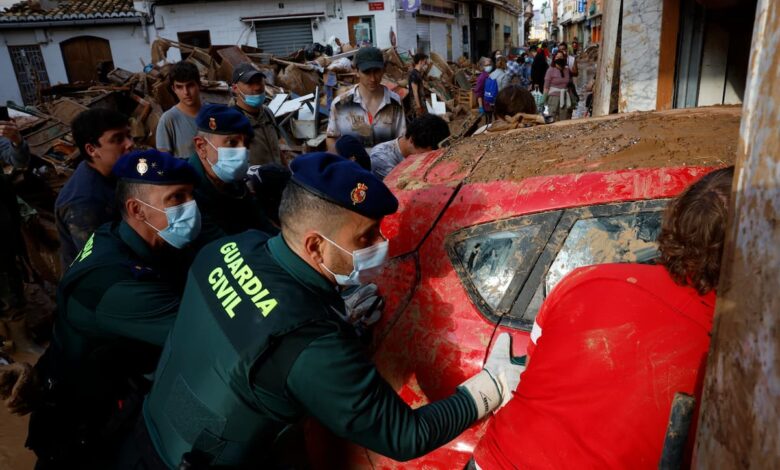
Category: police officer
<point>260,339</point>
<point>221,163</point>
<point>116,304</point>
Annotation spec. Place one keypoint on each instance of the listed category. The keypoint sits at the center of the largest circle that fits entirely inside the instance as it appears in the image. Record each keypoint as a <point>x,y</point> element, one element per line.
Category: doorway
<point>361,30</point>
<point>85,57</point>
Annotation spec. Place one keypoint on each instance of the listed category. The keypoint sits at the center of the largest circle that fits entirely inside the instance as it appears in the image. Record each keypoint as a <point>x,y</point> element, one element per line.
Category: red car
<point>487,228</point>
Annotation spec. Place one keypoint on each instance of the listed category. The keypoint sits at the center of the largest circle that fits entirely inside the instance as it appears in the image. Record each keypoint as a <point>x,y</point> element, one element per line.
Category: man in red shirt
<point>611,346</point>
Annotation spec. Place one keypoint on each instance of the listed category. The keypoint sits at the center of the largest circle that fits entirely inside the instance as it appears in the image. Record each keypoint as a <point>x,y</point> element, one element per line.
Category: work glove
<point>363,305</point>
<point>19,387</point>
<point>493,386</point>
<point>481,110</point>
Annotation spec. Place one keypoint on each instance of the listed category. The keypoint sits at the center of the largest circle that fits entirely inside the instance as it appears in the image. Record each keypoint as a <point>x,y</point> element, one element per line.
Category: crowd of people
<point>545,69</point>
<point>212,295</point>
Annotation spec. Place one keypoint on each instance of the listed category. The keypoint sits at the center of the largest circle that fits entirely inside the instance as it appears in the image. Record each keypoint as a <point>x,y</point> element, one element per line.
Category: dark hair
<point>184,72</point>
<point>419,57</point>
<point>534,48</point>
<point>127,190</point>
<point>514,99</point>
<point>427,131</point>
<point>89,125</point>
<point>693,230</point>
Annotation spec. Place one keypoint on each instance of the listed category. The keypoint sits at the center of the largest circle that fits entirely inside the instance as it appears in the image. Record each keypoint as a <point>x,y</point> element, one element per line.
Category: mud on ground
<point>685,137</point>
<point>37,315</point>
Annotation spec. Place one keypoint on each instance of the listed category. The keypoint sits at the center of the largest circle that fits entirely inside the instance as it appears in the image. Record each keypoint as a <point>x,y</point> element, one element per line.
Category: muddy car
<point>487,228</point>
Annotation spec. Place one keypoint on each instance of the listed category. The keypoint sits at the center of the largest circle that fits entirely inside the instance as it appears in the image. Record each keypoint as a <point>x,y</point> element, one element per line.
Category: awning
<point>319,14</point>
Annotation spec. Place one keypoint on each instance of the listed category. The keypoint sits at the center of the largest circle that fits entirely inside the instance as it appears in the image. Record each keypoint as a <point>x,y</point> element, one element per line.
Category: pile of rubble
<point>300,86</point>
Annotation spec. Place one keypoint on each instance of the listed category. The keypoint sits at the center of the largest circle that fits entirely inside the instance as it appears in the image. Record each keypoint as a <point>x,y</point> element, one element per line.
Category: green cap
<point>368,58</point>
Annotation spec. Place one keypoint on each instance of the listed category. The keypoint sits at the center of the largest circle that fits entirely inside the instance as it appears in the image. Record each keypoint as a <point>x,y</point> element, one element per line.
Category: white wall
<point>406,25</point>
<point>127,47</point>
<point>439,37</point>
<point>223,20</point>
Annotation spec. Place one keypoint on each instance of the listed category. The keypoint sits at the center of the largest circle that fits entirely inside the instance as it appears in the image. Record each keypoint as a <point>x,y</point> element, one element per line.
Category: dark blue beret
<point>154,167</point>
<point>344,183</point>
<point>224,120</point>
<point>348,146</point>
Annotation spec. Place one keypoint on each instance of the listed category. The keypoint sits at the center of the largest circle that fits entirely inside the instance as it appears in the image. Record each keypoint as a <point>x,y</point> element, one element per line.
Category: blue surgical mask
<point>183,223</point>
<point>254,101</point>
<point>528,60</point>
<point>365,261</point>
<point>232,163</point>
<point>488,68</point>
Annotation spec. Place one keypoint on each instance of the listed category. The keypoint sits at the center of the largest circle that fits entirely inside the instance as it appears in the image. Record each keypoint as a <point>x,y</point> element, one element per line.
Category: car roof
<point>668,147</point>
<point>681,137</point>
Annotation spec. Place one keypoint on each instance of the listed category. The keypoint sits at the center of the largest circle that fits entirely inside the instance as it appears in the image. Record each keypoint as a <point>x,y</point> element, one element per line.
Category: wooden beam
<point>739,424</point>
<point>670,28</point>
<point>607,57</point>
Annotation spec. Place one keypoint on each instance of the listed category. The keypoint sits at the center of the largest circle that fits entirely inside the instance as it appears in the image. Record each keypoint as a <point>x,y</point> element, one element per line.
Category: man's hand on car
<point>364,305</point>
<point>493,386</point>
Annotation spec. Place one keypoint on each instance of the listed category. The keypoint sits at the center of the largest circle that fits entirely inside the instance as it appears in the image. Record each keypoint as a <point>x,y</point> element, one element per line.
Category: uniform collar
<point>298,268</point>
<point>235,190</point>
<point>134,241</point>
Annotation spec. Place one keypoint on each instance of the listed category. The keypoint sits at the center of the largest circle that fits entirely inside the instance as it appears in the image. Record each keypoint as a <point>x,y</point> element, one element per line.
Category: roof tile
<point>69,10</point>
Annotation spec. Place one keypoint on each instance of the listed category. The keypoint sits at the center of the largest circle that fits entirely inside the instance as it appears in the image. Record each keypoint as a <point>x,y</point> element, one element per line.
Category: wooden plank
<point>739,416</point>
<point>670,28</point>
<point>607,57</point>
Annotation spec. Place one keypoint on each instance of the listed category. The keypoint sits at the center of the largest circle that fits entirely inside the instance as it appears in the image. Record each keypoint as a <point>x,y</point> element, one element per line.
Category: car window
<point>492,258</point>
<point>629,238</point>
<point>612,233</point>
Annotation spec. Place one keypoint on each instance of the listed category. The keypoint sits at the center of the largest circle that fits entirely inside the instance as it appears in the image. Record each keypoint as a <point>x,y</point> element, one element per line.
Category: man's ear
<point>134,210</point>
<point>313,246</point>
<point>200,146</point>
<point>90,148</point>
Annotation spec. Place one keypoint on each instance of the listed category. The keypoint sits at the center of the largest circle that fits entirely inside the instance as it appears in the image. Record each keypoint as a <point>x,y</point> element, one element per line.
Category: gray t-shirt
<point>175,132</point>
<point>384,157</point>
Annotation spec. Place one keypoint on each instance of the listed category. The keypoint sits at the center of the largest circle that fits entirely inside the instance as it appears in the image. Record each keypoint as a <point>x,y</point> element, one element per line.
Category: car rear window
<point>491,259</point>
<point>508,267</point>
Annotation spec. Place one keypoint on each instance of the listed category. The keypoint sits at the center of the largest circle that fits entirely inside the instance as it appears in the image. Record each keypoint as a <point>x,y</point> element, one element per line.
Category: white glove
<point>363,304</point>
<point>492,387</point>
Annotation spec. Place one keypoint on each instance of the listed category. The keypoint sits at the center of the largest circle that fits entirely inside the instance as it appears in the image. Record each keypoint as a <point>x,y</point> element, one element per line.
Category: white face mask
<point>364,260</point>
<point>488,68</point>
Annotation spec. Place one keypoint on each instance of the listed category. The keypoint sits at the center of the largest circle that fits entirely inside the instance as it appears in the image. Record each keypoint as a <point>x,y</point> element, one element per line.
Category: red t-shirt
<point>611,346</point>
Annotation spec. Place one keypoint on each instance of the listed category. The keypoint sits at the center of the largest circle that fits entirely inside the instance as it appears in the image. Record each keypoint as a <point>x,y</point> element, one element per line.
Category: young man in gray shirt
<point>177,128</point>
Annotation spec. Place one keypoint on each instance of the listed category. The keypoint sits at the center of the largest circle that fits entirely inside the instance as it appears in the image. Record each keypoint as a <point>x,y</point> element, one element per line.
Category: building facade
<point>47,42</point>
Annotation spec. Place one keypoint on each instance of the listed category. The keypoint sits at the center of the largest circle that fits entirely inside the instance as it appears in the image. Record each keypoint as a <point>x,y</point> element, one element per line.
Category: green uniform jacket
<point>228,210</point>
<point>116,304</point>
<point>258,343</point>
